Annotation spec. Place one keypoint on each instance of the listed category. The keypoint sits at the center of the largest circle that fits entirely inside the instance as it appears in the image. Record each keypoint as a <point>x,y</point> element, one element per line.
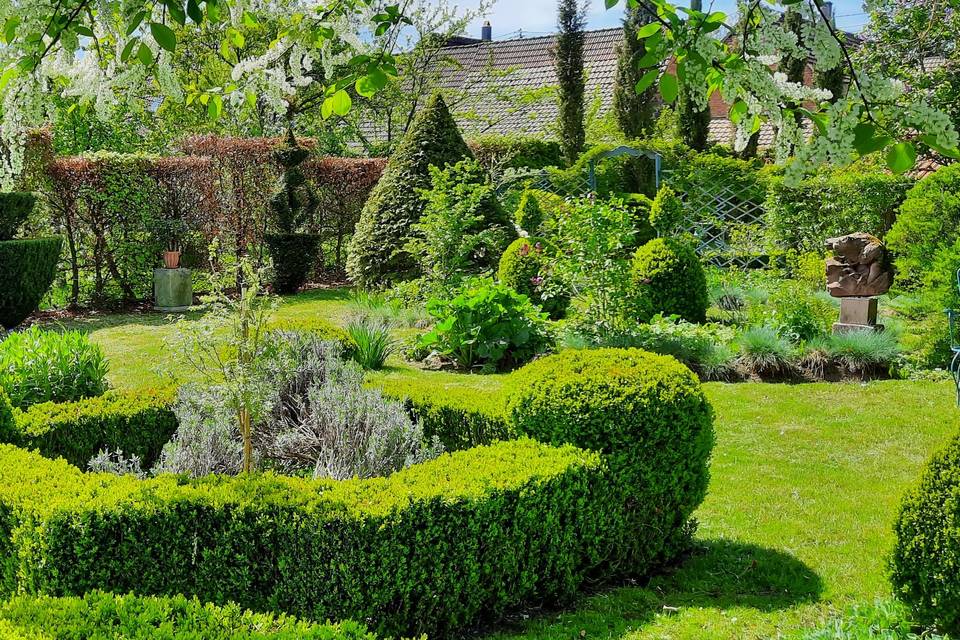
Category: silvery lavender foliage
<point>116,463</point>
<point>207,439</point>
<point>325,422</point>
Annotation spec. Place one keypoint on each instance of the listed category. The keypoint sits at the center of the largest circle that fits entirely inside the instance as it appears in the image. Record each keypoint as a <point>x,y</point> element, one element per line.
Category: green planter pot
<point>27,269</point>
<point>172,289</point>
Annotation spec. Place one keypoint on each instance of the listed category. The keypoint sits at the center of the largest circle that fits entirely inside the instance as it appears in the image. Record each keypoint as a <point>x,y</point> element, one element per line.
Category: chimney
<point>486,33</point>
<point>828,12</point>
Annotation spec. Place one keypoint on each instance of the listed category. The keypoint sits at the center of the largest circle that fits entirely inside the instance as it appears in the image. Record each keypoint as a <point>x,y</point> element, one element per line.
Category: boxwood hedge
<point>647,415</point>
<point>431,549</point>
<point>105,615</point>
<point>428,549</point>
<point>137,423</point>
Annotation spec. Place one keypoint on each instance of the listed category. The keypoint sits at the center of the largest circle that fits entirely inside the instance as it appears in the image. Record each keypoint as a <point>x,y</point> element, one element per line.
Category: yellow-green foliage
<point>137,423</point>
<point>525,268</point>
<point>103,615</point>
<point>318,326</point>
<point>529,216</point>
<point>666,212</point>
<point>646,414</point>
<point>495,527</point>
<point>669,279</point>
<point>461,418</point>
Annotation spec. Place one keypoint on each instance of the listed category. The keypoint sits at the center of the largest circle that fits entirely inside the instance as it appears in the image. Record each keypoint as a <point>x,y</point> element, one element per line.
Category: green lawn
<point>797,523</point>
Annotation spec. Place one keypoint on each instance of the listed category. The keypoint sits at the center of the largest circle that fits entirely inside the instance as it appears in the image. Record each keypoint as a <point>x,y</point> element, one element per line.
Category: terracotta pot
<point>171,259</point>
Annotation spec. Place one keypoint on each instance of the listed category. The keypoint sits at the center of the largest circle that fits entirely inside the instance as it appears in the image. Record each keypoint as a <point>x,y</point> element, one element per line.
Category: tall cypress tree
<point>635,111</point>
<point>693,122</point>
<point>568,60</point>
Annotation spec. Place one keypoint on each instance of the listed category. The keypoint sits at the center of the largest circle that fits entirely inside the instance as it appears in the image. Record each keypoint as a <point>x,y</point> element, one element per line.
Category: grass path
<point>805,484</point>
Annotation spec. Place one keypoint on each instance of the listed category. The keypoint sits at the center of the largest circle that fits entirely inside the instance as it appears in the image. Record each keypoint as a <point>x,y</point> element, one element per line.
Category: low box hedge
<point>107,615</point>
<point>427,550</point>
<point>137,423</point>
<point>460,417</point>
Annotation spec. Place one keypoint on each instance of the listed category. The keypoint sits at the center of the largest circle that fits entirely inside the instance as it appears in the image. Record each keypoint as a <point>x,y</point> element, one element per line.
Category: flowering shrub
<point>527,268</point>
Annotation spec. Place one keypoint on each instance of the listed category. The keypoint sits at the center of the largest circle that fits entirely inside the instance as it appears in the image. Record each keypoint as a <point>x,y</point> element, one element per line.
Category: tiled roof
<point>508,86</point>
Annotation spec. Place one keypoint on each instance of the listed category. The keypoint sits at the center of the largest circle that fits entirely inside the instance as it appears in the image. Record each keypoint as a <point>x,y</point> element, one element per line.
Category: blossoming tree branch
<point>872,114</point>
<point>102,52</point>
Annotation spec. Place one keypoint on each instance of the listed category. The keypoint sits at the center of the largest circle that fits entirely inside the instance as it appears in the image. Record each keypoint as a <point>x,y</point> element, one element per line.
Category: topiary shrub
<point>646,414</point>
<point>294,255</point>
<point>294,203</point>
<point>27,269</point>
<point>668,278</point>
<point>378,251</point>
<point>927,549</point>
<point>666,212</point>
<point>8,424</point>
<point>529,215</point>
<point>525,268</point>
<point>15,207</point>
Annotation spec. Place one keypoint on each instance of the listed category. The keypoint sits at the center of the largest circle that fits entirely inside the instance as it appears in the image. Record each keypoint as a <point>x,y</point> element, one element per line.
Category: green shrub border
<point>137,423</point>
<point>427,550</point>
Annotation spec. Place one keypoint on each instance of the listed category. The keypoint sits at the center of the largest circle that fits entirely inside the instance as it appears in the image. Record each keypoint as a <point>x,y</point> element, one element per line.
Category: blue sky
<point>538,17</point>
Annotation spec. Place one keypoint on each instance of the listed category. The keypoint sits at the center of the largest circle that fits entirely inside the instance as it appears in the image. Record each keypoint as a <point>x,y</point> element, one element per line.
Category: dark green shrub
<point>132,617</point>
<point>668,279</point>
<point>649,418</point>
<point>47,366</point>
<point>27,269</point>
<point>15,207</point>
<point>529,215</point>
<point>294,256</point>
<point>928,223</point>
<point>136,423</point>
<point>430,549</point>
<point>292,205</point>
<point>460,417</point>
<point>833,204</point>
<point>378,250</point>
<point>526,268</point>
<point>928,542</point>
<point>486,325</point>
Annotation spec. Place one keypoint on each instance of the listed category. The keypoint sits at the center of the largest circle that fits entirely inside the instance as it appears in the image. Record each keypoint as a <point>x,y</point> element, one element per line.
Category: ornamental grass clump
<point>863,352</point>
<point>763,352</point>
<point>46,366</point>
<point>373,343</point>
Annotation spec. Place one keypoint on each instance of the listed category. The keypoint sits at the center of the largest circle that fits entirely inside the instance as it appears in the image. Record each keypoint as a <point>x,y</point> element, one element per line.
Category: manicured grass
<point>806,480</point>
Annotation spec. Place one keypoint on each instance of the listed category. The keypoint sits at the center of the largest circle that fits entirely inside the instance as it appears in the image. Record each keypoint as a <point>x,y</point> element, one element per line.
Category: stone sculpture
<point>860,266</point>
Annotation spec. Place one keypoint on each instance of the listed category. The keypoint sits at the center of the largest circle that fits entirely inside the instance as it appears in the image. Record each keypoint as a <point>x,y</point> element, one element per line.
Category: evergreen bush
<point>928,543</point>
<point>668,279</point>
<point>378,251</point>
<point>27,269</point>
<point>15,207</point>
<point>294,203</point>
<point>525,267</point>
<point>646,414</point>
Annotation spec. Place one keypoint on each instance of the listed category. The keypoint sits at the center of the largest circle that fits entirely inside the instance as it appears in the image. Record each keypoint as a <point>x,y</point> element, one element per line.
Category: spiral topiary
<point>524,267</point>
<point>667,278</point>
<point>927,549</point>
<point>647,415</point>
<point>293,204</point>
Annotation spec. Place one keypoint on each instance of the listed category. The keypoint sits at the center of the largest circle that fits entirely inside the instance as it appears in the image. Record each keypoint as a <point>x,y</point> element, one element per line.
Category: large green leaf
<point>669,87</point>
<point>901,157</point>
<point>648,78</point>
<point>867,140</point>
<point>164,36</point>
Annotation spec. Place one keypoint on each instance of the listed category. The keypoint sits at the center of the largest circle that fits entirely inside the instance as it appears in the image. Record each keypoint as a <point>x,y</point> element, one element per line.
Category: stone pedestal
<point>857,314</point>
<point>172,289</point>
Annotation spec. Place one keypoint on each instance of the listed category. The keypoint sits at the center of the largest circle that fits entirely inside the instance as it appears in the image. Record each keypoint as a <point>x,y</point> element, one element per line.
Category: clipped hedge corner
<point>647,415</point>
